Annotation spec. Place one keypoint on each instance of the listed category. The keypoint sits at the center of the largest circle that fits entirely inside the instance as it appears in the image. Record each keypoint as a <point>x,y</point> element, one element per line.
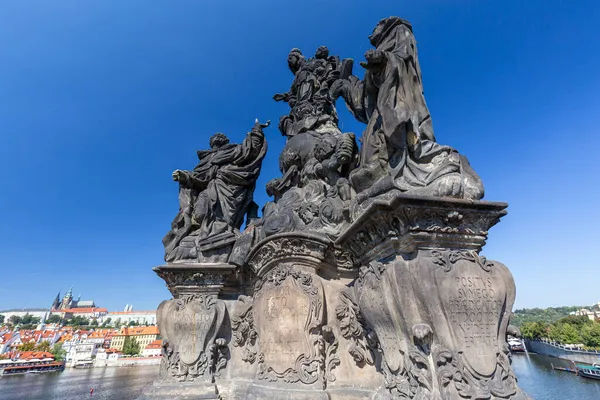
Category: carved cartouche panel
<point>477,296</point>
<point>288,313</point>
<point>474,296</point>
<point>190,326</point>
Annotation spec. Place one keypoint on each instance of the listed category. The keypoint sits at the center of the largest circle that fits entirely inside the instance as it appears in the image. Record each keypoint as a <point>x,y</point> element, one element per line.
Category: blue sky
<point>101,101</point>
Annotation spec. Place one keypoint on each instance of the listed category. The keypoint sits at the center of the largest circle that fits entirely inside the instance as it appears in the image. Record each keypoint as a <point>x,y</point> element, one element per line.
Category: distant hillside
<point>546,315</point>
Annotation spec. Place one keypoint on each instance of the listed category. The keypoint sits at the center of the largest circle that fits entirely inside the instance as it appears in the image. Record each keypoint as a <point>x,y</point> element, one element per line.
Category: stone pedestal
<point>400,306</point>
<point>195,329</point>
<point>435,309</point>
<point>288,313</point>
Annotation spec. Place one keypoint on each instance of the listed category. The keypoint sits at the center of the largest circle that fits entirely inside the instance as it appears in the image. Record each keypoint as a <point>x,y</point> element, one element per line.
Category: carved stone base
<point>434,308</point>
<point>195,329</point>
<point>180,391</point>
<point>401,307</point>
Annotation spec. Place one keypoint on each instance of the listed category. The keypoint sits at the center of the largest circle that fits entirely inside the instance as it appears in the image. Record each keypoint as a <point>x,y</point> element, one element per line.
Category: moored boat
<point>516,345</point>
<point>84,364</point>
<point>10,367</point>
<point>588,371</point>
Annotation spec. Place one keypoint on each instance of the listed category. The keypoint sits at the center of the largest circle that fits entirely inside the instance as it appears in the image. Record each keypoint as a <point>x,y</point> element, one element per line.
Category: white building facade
<point>121,318</point>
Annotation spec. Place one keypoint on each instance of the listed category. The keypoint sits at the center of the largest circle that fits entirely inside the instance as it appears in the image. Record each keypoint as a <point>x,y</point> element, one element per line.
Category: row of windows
<point>591,372</point>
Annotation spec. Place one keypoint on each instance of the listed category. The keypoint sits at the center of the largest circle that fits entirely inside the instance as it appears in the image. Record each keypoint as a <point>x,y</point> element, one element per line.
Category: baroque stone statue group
<point>362,278</point>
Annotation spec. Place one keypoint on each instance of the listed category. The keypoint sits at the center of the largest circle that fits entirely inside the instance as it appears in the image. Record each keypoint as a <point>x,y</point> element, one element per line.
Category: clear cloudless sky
<point>101,101</point>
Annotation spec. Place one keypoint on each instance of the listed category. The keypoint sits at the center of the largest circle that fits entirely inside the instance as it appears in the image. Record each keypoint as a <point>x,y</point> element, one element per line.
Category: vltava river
<point>118,383</point>
<point>541,382</point>
<point>535,375</point>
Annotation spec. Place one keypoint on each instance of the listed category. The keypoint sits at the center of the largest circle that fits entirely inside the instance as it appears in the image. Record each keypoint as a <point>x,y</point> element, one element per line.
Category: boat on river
<point>588,371</point>
<point>516,345</point>
<point>84,364</point>
<point>17,367</point>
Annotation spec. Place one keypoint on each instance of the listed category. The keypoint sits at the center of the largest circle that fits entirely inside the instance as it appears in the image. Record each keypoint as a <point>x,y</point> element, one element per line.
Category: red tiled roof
<point>138,330</point>
<point>154,345</point>
<point>130,312</point>
<point>87,310</point>
<point>6,337</point>
<point>29,355</point>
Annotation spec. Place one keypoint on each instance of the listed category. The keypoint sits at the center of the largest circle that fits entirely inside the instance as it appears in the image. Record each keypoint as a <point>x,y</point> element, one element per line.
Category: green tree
<point>130,346</point>
<point>54,319</point>
<point>1,319</point>
<point>78,321</point>
<point>133,323</point>
<point>94,322</point>
<point>534,330</point>
<point>547,315</point>
<point>14,320</point>
<point>565,334</point>
<point>29,319</point>
<point>44,345</point>
<point>106,322</point>
<point>591,334</point>
<point>28,346</point>
<point>576,320</point>
<point>58,352</point>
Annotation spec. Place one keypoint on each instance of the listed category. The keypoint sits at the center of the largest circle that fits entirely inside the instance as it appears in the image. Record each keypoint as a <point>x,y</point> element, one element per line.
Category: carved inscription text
<point>283,336</point>
<point>475,309</point>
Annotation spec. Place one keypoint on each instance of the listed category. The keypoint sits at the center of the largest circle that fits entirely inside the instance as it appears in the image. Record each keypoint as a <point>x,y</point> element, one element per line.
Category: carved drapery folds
<point>314,192</point>
<point>398,146</point>
<point>214,198</point>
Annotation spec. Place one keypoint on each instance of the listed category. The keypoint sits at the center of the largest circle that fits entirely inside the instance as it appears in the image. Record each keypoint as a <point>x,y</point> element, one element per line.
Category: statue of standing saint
<point>399,150</point>
<point>215,196</point>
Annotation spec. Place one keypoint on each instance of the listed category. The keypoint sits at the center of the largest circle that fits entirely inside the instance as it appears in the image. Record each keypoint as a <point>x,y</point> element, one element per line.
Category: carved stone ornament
<point>397,223</point>
<point>441,315</point>
<point>294,344</point>
<point>244,331</point>
<point>283,247</point>
<point>352,325</point>
<point>363,276</point>
<point>192,348</point>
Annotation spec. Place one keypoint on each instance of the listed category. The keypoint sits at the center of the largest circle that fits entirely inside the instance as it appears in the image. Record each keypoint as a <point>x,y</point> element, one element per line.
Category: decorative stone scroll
<point>288,310</point>
<point>439,320</point>
<point>397,223</point>
<point>192,348</point>
<point>308,248</point>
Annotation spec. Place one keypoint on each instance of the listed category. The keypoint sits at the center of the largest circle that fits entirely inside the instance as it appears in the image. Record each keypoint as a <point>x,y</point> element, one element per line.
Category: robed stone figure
<point>216,195</point>
<point>399,149</point>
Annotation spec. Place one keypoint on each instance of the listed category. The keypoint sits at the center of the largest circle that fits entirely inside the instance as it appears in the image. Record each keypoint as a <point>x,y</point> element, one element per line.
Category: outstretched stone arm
<point>187,180</point>
<point>282,96</point>
<point>352,90</point>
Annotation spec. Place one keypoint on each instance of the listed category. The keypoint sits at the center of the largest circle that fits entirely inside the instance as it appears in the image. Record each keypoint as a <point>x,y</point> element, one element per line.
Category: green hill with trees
<point>545,315</point>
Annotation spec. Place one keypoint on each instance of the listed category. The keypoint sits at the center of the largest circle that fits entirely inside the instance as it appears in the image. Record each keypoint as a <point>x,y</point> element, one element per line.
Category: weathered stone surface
<point>215,197</point>
<point>398,147</point>
<point>363,279</point>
